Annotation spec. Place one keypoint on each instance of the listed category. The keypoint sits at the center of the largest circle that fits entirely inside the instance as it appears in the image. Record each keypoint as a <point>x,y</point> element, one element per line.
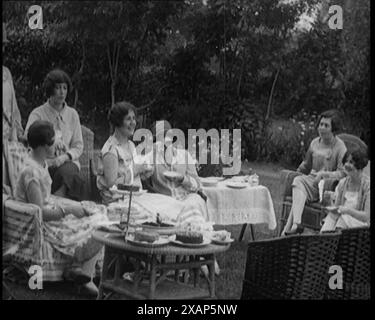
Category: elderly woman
<point>63,165</point>
<point>67,226</point>
<point>12,127</point>
<point>323,161</point>
<point>185,184</point>
<point>352,196</point>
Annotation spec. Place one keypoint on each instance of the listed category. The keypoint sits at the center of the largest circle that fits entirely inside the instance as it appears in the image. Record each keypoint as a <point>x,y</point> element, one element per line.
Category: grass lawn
<point>232,262</point>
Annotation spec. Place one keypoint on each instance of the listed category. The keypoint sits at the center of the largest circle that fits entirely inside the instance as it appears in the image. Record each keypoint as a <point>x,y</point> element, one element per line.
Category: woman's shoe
<point>76,275</point>
<point>89,289</point>
<point>298,230</point>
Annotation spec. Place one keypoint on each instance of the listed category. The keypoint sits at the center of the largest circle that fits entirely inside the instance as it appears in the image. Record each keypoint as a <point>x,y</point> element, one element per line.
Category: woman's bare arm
<point>34,196</point>
<point>110,169</point>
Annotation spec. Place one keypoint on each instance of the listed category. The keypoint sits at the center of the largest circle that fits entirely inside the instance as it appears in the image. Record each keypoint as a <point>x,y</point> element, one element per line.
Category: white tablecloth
<point>237,206</point>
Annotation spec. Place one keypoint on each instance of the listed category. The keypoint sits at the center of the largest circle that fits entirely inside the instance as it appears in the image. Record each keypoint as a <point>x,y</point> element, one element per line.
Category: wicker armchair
<point>354,257</point>
<point>313,212</point>
<point>294,267</point>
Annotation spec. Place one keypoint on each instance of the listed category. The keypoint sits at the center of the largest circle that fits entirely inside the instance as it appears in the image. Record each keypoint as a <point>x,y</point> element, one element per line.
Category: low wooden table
<point>151,278</point>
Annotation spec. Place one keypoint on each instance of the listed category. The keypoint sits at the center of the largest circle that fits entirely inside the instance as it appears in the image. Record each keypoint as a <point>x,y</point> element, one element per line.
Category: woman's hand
<point>60,160</point>
<point>321,175</point>
<point>59,147</point>
<point>143,168</point>
<point>344,210</point>
<point>77,210</point>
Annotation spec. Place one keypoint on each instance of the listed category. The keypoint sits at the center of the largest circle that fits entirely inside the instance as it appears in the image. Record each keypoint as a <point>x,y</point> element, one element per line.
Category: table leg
<point>153,268</point>
<point>104,273</point>
<point>243,232</point>
<point>252,232</point>
<point>211,275</point>
<point>196,271</point>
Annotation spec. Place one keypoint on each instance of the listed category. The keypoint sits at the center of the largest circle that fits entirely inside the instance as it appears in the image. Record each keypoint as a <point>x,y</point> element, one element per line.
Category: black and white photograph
<point>207,150</point>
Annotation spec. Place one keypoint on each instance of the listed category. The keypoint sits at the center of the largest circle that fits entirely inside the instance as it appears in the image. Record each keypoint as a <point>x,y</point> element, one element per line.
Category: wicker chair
<point>353,256</point>
<point>294,267</point>
<point>313,214</point>
<point>87,164</point>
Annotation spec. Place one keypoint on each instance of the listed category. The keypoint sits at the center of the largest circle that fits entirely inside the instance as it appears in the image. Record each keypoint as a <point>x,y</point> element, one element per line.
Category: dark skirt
<point>68,175</point>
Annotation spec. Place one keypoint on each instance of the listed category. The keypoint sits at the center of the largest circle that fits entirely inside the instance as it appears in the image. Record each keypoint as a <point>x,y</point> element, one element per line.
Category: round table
<point>151,263</point>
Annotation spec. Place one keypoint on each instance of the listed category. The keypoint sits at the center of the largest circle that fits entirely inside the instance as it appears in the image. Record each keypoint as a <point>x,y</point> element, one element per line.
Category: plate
<point>160,230</point>
<point>157,243</point>
<point>205,242</point>
<point>135,193</point>
<point>172,174</point>
<point>243,179</point>
<point>222,242</point>
<point>332,208</point>
<point>237,185</point>
<point>209,182</point>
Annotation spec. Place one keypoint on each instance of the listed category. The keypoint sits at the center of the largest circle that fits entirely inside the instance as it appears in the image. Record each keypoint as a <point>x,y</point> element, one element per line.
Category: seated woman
<point>116,160</point>
<point>63,163</point>
<point>323,161</point>
<point>118,165</point>
<point>186,185</point>
<point>352,196</point>
<point>67,226</point>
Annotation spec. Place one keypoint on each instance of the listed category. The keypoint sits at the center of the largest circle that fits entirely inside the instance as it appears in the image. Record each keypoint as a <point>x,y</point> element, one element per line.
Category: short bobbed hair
<point>335,117</point>
<point>54,77</point>
<point>40,134</point>
<point>359,157</point>
<point>118,112</point>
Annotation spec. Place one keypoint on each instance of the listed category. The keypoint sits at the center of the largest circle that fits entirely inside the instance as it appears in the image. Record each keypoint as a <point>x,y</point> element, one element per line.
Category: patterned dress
<point>12,129</point>
<point>67,241</point>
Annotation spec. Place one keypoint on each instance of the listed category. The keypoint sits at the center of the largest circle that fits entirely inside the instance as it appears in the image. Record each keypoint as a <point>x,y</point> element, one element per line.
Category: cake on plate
<point>146,236</point>
<point>189,237</point>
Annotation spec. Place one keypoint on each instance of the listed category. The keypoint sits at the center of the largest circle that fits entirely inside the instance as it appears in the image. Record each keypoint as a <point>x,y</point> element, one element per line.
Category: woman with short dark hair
<point>63,164</point>
<point>352,196</point>
<point>323,160</point>
<point>116,161</point>
<point>67,225</point>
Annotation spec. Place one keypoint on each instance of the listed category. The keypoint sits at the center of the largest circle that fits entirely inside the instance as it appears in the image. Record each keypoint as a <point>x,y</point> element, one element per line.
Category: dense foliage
<point>200,64</point>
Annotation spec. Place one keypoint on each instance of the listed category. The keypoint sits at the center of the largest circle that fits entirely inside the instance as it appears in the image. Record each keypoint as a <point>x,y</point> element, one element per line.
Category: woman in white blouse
<point>64,165</point>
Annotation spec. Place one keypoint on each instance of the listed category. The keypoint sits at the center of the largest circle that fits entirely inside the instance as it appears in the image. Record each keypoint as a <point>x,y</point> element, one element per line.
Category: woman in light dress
<point>352,196</point>
<point>323,160</point>
<point>67,226</point>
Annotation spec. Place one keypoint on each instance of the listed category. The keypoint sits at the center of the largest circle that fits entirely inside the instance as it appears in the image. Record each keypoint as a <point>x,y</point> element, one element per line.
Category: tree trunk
<point>113,68</point>
<point>269,107</point>
<point>79,74</point>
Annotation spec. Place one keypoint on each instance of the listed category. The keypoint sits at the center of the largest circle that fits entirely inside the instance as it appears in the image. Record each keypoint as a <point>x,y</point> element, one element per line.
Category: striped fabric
<point>22,229</point>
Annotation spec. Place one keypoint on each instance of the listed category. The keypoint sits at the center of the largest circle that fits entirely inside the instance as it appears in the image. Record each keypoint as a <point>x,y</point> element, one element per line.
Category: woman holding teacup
<point>174,173</point>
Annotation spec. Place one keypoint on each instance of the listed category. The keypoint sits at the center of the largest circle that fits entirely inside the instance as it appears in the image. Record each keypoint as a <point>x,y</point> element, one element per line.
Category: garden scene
<point>275,69</point>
